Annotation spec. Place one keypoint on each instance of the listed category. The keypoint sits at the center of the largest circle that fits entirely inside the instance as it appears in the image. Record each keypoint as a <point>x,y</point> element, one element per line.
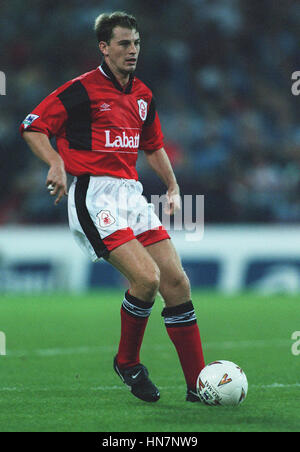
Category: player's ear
<point>103,48</point>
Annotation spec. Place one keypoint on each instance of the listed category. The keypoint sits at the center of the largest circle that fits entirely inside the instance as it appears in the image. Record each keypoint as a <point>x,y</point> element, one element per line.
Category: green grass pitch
<point>57,374</point>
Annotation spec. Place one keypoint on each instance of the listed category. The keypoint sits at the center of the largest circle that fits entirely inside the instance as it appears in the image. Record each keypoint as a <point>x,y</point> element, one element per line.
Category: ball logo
<point>142,109</point>
<point>201,385</point>
<point>225,380</point>
<point>105,219</point>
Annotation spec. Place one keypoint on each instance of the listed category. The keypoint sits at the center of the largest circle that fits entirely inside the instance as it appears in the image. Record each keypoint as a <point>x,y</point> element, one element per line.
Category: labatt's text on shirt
<point>122,141</point>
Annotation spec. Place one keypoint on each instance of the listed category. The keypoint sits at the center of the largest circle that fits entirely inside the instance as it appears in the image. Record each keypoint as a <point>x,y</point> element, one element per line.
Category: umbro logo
<point>105,107</point>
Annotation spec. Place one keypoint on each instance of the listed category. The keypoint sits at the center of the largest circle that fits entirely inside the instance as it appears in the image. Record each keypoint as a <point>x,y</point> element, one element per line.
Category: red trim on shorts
<point>153,236</point>
<point>117,238</point>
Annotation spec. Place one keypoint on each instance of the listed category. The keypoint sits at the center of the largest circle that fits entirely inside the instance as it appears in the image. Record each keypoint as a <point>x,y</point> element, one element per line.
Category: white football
<point>222,383</point>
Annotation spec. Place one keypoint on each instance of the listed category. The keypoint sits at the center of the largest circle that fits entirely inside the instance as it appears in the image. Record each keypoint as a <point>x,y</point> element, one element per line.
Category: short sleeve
<point>48,117</point>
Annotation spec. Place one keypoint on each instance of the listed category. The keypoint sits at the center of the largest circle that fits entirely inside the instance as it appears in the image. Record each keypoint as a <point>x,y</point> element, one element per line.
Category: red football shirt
<point>99,126</point>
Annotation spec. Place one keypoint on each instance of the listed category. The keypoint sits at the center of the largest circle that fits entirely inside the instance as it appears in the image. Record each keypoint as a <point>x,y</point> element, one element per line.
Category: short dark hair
<point>105,23</point>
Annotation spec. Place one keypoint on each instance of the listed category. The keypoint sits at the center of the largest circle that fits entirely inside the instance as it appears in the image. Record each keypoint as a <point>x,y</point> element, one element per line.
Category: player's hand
<point>173,200</point>
<point>56,182</point>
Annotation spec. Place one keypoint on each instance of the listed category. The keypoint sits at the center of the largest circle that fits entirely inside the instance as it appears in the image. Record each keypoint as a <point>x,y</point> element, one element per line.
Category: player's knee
<point>150,281</point>
<point>182,283</point>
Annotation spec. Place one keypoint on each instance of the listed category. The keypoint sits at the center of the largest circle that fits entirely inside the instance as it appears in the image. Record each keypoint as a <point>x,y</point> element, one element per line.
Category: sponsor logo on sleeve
<point>29,120</point>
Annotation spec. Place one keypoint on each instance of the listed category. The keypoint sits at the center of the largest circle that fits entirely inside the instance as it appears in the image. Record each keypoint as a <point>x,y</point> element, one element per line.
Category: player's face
<point>123,50</point>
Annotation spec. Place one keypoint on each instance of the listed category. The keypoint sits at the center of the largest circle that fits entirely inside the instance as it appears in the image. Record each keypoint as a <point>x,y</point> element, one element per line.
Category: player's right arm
<point>45,121</point>
<point>40,145</point>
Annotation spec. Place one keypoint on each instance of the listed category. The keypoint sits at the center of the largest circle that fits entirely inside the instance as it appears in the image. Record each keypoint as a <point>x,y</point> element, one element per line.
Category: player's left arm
<point>160,163</point>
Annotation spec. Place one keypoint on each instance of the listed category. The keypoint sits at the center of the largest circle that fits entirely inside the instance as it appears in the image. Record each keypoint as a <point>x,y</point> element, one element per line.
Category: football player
<point>101,120</point>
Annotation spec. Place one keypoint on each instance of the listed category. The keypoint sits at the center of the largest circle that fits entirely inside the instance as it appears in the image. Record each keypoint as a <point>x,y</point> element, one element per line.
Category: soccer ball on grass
<point>222,383</point>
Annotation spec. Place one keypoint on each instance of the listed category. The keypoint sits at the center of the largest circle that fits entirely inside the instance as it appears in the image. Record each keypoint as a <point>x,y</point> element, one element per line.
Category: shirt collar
<point>104,68</point>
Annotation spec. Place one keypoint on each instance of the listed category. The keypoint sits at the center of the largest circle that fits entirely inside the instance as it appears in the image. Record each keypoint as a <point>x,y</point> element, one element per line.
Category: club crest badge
<point>142,109</point>
<point>105,219</point>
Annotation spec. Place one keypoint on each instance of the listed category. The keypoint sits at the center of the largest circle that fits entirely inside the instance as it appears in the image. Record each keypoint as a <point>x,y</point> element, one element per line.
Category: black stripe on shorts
<point>85,219</point>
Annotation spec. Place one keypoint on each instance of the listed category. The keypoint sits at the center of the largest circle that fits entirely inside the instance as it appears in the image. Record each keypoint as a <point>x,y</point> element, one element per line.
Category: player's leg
<point>98,220</point>
<point>142,272</point>
<point>174,283</point>
<point>138,267</point>
<point>179,314</point>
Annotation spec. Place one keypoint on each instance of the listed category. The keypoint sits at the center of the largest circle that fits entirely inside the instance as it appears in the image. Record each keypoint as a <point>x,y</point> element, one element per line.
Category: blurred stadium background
<point>221,73</point>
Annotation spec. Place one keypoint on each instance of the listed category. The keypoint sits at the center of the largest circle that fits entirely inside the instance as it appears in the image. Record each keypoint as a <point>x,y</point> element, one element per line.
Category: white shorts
<point>105,212</point>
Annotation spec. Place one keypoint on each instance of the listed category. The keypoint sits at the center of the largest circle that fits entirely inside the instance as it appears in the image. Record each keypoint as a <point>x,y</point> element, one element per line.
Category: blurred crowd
<point>221,74</point>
